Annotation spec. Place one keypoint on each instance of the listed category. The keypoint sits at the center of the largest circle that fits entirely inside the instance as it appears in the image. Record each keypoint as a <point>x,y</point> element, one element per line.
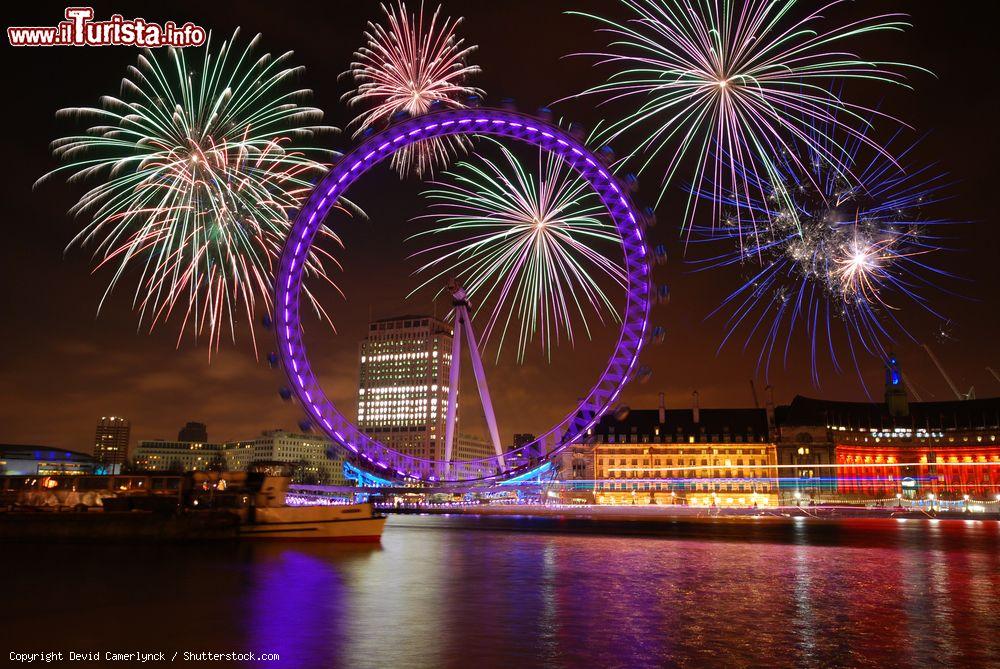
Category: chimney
<point>696,410</point>
<point>663,410</point>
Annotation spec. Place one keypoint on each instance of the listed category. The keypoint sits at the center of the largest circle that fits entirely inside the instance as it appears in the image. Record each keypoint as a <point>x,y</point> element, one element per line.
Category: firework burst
<point>410,65</point>
<point>200,166</point>
<point>533,246</point>
<point>729,84</point>
<point>843,257</point>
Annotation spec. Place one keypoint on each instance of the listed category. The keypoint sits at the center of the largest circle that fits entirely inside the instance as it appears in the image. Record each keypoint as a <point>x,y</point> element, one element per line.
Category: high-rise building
<point>403,388</point>
<point>520,455</point>
<point>193,432</point>
<point>111,443</point>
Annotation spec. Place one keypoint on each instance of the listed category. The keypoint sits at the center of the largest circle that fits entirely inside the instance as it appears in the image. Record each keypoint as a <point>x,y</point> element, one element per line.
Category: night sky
<point>63,367</point>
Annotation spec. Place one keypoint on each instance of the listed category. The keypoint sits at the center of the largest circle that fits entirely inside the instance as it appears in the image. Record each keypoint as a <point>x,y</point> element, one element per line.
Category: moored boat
<point>269,518</point>
<point>349,523</point>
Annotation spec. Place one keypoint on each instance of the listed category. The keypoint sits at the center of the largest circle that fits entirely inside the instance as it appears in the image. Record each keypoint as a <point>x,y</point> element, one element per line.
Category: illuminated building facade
<point>805,454</point>
<point>702,457</point>
<point>403,388</point>
<point>313,457</point>
<point>944,449</point>
<point>111,443</point>
<point>316,461</point>
<point>26,460</point>
<point>158,455</point>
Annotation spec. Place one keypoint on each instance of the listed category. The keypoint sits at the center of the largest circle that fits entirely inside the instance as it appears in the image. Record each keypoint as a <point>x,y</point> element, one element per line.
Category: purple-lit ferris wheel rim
<point>291,270</point>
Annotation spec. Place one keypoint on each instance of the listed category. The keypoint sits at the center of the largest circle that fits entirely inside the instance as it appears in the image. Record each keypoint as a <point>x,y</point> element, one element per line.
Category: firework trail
<point>200,164</point>
<point>841,258</point>
<point>531,243</point>
<point>726,85</point>
<point>411,65</point>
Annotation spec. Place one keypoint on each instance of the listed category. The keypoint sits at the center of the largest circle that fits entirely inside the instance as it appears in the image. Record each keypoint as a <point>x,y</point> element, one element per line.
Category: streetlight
<point>930,497</point>
<point>798,498</point>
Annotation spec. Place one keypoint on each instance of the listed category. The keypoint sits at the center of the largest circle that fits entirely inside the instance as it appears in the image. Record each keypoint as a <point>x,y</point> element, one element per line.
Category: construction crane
<point>910,388</point>
<point>993,372</point>
<point>971,395</point>
<point>753,390</point>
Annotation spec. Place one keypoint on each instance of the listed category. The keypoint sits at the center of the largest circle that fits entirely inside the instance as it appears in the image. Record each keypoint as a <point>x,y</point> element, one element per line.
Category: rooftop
<point>948,415</point>
<point>750,423</point>
<point>34,452</point>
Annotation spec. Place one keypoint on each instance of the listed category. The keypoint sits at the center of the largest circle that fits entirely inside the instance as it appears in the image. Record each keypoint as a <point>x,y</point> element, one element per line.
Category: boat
<point>345,522</point>
<point>270,518</point>
<point>195,506</point>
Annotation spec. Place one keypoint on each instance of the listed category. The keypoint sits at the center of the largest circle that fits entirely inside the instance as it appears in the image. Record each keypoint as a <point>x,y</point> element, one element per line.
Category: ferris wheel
<point>368,453</point>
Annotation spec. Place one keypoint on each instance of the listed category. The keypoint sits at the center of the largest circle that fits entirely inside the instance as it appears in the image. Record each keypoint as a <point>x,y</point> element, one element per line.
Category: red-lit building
<point>944,449</point>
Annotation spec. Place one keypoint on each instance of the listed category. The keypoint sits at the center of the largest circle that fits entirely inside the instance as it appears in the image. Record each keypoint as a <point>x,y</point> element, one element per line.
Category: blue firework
<point>839,259</point>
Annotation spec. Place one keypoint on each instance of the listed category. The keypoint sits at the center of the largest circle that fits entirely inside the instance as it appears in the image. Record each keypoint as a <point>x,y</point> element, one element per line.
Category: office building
<point>111,441</point>
<point>158,455</point>
<point>316,460</point>
<point>403,388</point>
<point>193,432</point>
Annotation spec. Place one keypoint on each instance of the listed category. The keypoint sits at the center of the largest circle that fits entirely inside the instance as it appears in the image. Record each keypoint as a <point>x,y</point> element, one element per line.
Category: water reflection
<point>458,592</point>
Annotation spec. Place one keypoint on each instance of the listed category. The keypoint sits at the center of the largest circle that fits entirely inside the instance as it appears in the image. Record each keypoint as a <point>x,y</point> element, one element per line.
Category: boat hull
<point>355,523</point>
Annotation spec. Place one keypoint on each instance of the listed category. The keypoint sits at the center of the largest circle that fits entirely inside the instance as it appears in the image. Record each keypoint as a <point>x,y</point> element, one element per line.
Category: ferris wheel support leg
<point>484,390</point>
<point>454,375</point>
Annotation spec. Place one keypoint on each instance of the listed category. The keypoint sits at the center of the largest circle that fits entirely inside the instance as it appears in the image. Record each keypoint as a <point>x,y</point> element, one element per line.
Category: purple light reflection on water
<point>454,591</point>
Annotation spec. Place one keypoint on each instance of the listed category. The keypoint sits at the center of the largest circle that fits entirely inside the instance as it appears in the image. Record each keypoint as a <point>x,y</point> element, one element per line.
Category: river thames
<point>452,591</point>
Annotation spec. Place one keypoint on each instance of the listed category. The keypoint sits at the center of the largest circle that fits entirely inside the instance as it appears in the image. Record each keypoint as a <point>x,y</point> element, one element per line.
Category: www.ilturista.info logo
<point>79,29</point>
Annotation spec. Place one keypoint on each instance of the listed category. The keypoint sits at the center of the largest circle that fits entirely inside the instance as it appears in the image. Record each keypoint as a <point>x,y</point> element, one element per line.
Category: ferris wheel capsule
<point>660,254</point>
<point>649,217</point>
<point>658,335</point>
<point>508,104</point>
<point>266,321</point>
<point>305,425</point>
<point>473,102</point>
<point>272,359</point>
<point>631,182</point>
<point>578,132</point>
<point>544,114</point>
<point>663,294</point>
<point>644,374</point>
<point>621,412</point>
<point>285,393</point>
<point>607,155</point>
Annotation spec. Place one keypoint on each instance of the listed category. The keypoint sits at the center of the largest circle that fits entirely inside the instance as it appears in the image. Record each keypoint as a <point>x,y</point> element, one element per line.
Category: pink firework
<point>409,65</point>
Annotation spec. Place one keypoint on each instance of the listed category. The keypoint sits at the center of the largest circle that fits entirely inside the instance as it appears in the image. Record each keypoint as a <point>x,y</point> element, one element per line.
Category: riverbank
<point>871,532</point>
<point>118,526</point>
<point>669,513</point>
